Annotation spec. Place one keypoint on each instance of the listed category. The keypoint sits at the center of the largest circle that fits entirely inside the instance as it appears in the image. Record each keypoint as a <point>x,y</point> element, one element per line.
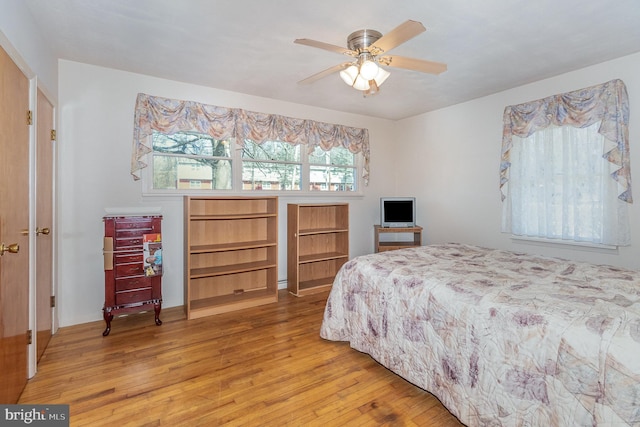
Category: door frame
<point>32,362</point>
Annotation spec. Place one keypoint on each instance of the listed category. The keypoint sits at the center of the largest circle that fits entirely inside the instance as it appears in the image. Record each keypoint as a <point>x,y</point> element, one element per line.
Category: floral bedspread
<point>501,338</point>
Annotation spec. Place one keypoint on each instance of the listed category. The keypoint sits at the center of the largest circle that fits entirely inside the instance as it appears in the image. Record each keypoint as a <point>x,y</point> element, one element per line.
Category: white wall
<point>20,37</point>
<point>453,155</point>
<point>95,138</point>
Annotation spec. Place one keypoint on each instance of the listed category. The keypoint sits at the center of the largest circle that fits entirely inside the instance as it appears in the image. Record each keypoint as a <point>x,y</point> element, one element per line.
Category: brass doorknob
<point>12,248</point>
<point>44,231</point>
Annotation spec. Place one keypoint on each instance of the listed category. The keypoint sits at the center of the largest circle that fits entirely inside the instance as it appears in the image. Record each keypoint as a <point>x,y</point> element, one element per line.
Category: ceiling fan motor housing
<point>360,40</point>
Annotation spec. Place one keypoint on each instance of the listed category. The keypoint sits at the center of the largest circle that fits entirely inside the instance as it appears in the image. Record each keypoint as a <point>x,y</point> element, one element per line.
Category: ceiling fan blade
<point>397,36</point>
<point>324,73</point>
<point>326,46</point>
<point>413,64</point>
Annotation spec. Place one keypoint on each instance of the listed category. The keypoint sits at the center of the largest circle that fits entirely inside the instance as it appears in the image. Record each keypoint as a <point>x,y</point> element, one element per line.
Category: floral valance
<point>172,116</point>
<point>607,103</point>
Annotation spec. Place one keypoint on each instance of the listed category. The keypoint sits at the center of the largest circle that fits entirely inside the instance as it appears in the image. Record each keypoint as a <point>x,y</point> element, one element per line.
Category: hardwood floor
<point>263,366</point>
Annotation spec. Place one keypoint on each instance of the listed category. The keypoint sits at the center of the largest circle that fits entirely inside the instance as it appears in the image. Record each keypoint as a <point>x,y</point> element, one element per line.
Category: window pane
<point>330,178</point>
<point>337,156</point>
<point>270,176</point>
<point>271,150</point>
<point>190,143</point>
<point>175,172</point>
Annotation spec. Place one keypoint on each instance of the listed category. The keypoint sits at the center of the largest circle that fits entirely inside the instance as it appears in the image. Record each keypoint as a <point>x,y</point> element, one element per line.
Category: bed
<point>501,338</point>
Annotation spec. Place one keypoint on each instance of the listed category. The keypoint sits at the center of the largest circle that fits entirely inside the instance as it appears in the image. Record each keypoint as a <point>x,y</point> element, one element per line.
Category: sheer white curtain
<point>565,169</point>
<point>560,187</point>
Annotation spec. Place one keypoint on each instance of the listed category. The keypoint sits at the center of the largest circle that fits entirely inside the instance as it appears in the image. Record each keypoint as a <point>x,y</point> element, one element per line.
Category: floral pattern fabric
<point>501,338</point>
<point>171,116</point>
<point>607,103</point>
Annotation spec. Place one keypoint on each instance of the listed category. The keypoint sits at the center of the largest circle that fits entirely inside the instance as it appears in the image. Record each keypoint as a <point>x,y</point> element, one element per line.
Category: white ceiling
<point>247,45</point>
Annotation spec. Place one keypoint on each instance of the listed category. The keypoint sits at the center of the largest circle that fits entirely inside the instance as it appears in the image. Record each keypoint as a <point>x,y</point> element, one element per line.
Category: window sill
<point>563,243</point>
<point>283,194</point>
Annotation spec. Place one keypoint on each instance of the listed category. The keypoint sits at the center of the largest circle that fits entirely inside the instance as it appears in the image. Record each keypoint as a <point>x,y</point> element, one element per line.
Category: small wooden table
<point>391,245</point>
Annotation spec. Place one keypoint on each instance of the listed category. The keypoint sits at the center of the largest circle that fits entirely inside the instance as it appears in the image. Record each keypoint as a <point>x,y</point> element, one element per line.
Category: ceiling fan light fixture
<point>349,74</point>
<point>369,69</point>
<point>381,76</point>
<point>354,77</point>
<point>361,83</point>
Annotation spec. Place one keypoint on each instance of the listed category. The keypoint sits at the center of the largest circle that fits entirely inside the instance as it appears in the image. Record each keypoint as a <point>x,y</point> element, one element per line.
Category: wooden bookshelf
<point>318,245</point>
<point>231,246</point>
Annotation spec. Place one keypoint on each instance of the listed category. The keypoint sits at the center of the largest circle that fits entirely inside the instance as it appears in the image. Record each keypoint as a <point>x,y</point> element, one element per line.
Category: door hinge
<point>53,301</point>
<point>29,337</point>
<point>53,134</point>
<point>29,118</point>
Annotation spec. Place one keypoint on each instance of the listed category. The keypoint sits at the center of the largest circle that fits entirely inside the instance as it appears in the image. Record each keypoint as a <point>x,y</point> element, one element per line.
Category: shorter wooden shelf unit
<point>318,245</point>
<point>391,245</point>
<point>231,246</point>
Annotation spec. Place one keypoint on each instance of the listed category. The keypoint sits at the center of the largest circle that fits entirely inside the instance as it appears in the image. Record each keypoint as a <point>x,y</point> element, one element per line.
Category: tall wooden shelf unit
<point>318,245</point>
<point>231,246</point>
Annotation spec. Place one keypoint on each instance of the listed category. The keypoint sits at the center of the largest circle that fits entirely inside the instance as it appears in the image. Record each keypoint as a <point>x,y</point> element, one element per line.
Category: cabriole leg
<point>108,317</point>
<point>157,307</point>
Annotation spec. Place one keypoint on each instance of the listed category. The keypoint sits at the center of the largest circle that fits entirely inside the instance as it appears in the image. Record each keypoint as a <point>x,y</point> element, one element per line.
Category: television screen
<point>398,211</point>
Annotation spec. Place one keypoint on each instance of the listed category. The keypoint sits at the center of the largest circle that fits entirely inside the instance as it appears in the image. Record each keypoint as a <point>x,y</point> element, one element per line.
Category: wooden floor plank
<point>260,366</point>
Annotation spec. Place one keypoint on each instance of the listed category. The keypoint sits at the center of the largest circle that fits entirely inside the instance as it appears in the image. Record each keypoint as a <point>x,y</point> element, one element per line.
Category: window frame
<point>146,176</point>
<point>540,157</point>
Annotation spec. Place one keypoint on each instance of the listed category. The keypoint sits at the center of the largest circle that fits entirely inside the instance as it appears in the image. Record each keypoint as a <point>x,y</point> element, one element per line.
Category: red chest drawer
<point>137,224</point>
<point>130,297</point>
<point>128,231</point>
<point>127,257</point>
<point>127,242</point>
<point>131,283</point>
<point>133,269</point>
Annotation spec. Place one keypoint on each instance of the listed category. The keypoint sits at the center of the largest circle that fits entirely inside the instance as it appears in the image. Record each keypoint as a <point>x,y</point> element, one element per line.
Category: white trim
<point>54,218</point>
<point>32,349</point>
<point>15,56</point>
<point>134,211</point>
<point>528,239</point>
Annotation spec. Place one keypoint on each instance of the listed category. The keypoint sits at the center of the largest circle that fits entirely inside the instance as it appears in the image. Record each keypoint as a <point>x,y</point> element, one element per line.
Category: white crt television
<point>398,212</point>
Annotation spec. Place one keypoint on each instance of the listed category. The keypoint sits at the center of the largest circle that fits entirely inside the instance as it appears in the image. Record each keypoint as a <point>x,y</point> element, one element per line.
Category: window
<point>565,170</point>
<point>190,161</point>
<point>333,170</point>
<point>194,161</point>
<point>561,187</point>
<point>181,146</point>
<point>271,165</point>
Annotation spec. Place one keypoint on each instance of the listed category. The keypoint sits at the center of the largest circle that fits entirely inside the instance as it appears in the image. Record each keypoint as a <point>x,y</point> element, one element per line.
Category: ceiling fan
<point>368,48</point>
